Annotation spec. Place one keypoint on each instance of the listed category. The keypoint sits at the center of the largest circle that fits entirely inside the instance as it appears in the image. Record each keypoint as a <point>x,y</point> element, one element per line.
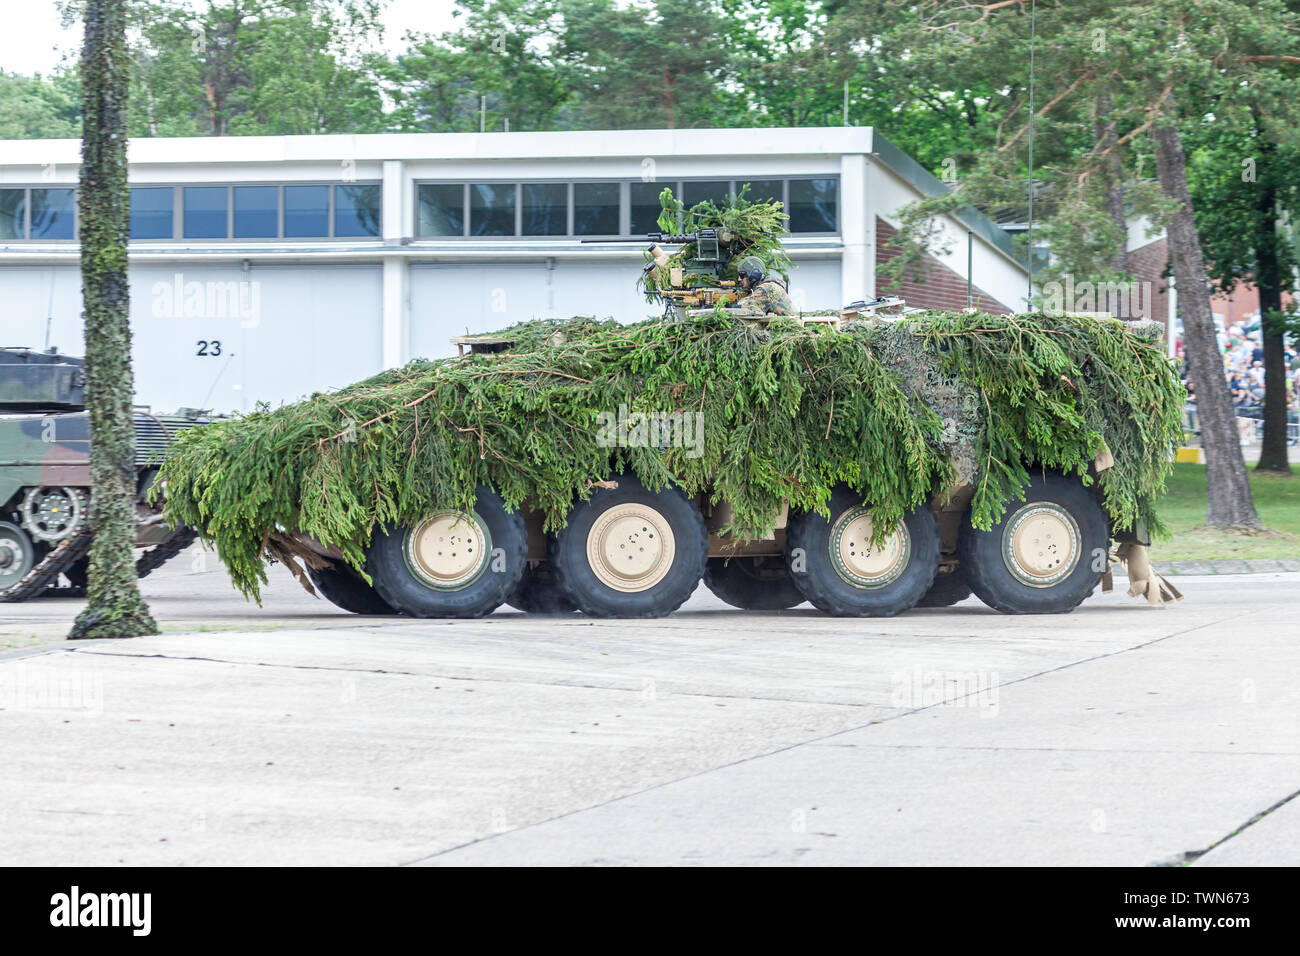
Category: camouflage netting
<point>897,411</point>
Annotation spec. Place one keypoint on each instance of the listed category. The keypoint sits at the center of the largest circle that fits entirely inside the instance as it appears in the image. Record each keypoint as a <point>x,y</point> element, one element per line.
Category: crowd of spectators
<point>1243,367</point>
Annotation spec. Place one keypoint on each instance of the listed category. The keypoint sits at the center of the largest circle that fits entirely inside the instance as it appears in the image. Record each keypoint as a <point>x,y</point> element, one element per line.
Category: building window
<point>813,205</point>
<point>306,212</point>
<point>357,210</point>
<point>204,212</point>
<point>695,192</point>
<point>54,213</point>
<point>606,208</point>
<point>257,212</point>
<point>492,209</point>
<point>762,190</point>
<point>38,213</point>
<point>441,209</point>
<point>13,214</point>
<point>545,209</point>
<point>645,208</point>
<point>595,209</point>
<point>151,213</point>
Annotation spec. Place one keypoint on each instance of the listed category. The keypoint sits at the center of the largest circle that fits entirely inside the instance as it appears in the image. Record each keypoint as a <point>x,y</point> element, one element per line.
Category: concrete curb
<point>1245,566</point>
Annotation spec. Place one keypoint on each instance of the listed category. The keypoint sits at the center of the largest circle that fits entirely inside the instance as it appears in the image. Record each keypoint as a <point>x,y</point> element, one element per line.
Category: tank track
<point>159,555</point>
<point>43,576</point>
<point>46,572</point>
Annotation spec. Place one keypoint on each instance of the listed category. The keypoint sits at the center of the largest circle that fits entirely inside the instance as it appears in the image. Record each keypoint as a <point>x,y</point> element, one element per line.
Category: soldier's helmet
<point>752,268</point>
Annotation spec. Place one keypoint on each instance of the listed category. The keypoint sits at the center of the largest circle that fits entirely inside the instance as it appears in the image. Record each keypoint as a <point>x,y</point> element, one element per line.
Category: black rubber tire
<point>981,552</point>
<point>29,553</point>
<point>947,590</point>
<point>753,583</point>
<point>538,593</point>
<point>343,587</point>
<point>399,586</point>
<point>567,551</point>
<point>808,541</point>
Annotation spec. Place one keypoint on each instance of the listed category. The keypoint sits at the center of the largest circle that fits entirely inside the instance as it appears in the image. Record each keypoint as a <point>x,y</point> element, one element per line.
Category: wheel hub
<point>860,564</point>
<point>50,514</point>
<point>449,550</point>
<point>630,548</point>
<point>15,555</point>
<point>1041,544</point>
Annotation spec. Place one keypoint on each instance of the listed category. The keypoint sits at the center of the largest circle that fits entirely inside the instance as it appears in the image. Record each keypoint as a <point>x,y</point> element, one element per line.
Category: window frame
<point>26,190</point>
<point>624,201</point>
<point>178,210</point>
<point>279,212</point>
<point>839,203</point>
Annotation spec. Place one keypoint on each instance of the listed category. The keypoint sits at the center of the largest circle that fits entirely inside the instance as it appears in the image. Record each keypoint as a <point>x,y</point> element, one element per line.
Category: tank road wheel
<point>760,583</point>
<point>17,554</point>
<point>51,514</point>
<point>342,586</point>
<point>1041,558</point>
<point>835,567</point>
<point>538,593</point>
<point>630,552</point>
<point>453,563</point>
<point>947,590</point>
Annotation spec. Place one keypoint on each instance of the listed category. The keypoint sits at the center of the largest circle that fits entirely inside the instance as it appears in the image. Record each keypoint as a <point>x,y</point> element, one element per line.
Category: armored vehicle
<point>868,459</point>
<point>45,476</point>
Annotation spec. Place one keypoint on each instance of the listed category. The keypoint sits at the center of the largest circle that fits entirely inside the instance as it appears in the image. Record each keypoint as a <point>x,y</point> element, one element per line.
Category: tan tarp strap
<point>1143,580</point>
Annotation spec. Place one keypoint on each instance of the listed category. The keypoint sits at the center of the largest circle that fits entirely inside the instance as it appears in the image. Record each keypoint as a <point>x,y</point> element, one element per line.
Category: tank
<point>448,488</point>
<point>45,476</point>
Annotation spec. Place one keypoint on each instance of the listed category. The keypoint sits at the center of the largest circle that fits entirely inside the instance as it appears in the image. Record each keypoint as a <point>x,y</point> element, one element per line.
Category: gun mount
<point>700,280</point>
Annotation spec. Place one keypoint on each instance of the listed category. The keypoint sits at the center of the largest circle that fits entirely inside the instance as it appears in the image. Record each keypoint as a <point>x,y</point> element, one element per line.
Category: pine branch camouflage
<point>899,412</point>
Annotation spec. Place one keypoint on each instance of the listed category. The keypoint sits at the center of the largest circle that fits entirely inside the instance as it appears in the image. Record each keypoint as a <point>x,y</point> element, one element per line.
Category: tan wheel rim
<point>630,548</point>
<point>1041,544</point>
<point>449,550</point>
<point>860,564</point>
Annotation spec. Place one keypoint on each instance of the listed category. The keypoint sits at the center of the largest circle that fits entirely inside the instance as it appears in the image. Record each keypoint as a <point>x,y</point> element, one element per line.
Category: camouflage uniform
<point>768,298</point>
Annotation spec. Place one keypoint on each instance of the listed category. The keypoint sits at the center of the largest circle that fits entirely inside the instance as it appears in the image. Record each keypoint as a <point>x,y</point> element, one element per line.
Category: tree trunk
<point>1231,504</point>
<point>1112,177</point>
<point>115,607</point>
<point>1268,279</point>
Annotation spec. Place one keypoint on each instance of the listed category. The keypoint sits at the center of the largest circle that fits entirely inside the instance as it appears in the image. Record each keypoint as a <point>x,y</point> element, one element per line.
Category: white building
<point>265,268</point>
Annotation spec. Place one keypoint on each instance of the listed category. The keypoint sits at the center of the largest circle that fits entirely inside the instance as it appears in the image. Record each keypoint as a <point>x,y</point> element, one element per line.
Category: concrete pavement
<point>1118,734</point>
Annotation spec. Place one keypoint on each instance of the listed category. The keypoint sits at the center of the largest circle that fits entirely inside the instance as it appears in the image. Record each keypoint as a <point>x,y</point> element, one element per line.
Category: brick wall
<point>940,288</point>
<point>1147,264</point>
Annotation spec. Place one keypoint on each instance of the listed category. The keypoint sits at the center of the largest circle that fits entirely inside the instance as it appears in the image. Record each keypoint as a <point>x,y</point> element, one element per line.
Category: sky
<point>33,40</point>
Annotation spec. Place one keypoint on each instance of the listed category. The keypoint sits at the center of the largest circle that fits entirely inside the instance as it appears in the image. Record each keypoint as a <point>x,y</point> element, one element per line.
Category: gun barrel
<point>659,237</point>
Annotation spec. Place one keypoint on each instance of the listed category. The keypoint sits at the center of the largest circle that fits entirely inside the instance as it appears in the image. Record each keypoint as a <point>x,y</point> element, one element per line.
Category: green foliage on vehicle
<point>899,412</point>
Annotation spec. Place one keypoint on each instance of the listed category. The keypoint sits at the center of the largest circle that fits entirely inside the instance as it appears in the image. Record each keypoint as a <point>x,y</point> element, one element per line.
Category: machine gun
<point>697,283</point>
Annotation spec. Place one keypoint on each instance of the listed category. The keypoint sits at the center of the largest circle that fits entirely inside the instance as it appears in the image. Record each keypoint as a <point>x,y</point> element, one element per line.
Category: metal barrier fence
<point>1252,431</point>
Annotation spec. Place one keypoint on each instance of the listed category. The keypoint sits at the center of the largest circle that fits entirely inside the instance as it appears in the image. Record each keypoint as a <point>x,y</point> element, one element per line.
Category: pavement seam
<point>487,679</point>
<point>39,649</point>
<point>1077,750</point>
<point>292,667</point>
<point>815,740</point>
<point>1191,856</point>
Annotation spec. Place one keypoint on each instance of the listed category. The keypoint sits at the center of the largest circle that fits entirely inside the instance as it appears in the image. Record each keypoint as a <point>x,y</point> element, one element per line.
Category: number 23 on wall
<point>209,347</point>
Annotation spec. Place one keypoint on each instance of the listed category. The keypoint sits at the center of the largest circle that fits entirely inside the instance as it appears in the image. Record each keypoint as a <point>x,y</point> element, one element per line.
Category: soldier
<point>767,294</point>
